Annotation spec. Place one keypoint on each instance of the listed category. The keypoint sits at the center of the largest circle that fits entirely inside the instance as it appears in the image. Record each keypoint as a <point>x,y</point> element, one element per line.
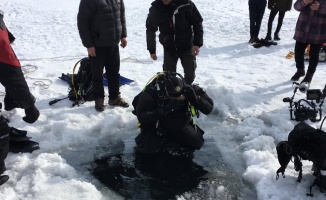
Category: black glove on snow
<point>32,114</point>
<point>189,94</point>
<point>169,107</point>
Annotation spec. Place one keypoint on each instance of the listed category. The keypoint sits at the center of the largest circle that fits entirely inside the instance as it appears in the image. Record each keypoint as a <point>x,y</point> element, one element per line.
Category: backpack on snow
<point>81,87</point>
<point>80,84</point>
<point>304,143</point>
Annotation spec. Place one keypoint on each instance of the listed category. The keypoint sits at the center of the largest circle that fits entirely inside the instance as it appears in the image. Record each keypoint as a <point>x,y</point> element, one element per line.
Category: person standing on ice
<point>17,90</point>
<point>181,34</point>
<point>256,14</point>
<point>102,26</point>
<point>310,29</point>
<point>280,7</point>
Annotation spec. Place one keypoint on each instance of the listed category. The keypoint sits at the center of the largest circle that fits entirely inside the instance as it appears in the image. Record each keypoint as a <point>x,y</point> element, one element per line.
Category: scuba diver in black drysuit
<point>166,110</point>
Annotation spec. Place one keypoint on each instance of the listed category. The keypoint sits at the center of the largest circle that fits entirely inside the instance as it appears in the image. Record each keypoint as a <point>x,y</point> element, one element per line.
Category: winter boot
<point>268,37</point>
<point>251,40</point>
<point>99,104</point>
<point>307,78</point>
<point>118,102</point>
<point>276,37</point>
<point>298,74</point>
<point>256,39</point>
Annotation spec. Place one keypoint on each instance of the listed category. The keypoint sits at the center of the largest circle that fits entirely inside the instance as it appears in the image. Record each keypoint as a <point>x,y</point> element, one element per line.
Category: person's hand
<point>32,114</point>
<point>198,90</point>
<point>306,2</point>
<point>123,43</point>
<point>189,94</point>
<point>314,5</point>
<point>91,51</point>
<point>196,50</point>
<point>153,56</point>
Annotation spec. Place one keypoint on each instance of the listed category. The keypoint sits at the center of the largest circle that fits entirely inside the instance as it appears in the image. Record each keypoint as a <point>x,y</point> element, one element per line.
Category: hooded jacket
<point>101,23</point>
<point>179,23</point>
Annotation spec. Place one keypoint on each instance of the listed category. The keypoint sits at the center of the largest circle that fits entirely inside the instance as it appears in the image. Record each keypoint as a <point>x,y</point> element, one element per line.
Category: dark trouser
<point>108,57</point>
<point>299,52</point>
<point>256,14</point>
<point>188,62</point>
<point>188,136</point>
<point>271,18</point>
<point>17,91</point>
<point>4,142</point>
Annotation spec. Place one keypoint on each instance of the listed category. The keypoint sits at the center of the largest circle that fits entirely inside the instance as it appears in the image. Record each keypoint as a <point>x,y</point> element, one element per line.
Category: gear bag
<point>80,83</point>
<point>81,87</point>
<point>304,143</point>
<point>19,142</point>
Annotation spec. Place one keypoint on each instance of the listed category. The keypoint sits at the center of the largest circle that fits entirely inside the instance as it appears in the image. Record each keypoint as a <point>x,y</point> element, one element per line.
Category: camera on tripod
<point>309,108</point>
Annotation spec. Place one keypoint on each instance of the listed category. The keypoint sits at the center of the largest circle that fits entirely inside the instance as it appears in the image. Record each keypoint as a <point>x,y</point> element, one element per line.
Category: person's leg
<point>112,68</point>
<point>188,61</point>
<point>4,143</point>
<point>252,19</point>
<point>97,65</point>
<point>279,25</point>
<point>170,62</point>
<point>188,137</point>
<point>17,90</point>
<point>313,57</point>
<point>299,51</point>
<point>270,24</point>
<point>313,61</point>
<point>260,15</point>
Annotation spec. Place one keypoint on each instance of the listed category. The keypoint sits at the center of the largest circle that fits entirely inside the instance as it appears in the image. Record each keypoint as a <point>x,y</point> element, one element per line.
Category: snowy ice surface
<point>246,84</point>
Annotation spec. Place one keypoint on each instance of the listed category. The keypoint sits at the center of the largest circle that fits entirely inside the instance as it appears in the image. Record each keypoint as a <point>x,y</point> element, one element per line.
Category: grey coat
<point>101,23</point>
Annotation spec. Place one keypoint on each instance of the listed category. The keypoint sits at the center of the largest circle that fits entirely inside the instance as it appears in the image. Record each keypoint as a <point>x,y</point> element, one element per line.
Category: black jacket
<point>179,23</point>
<point>280,5</point>
<point>148,114</point>
<point>101,23</point>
